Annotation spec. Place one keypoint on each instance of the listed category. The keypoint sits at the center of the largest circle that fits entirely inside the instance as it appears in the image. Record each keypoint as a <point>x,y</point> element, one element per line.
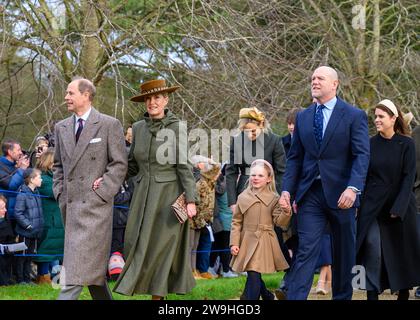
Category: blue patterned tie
<point>318,124</point>
<point>79,129</point>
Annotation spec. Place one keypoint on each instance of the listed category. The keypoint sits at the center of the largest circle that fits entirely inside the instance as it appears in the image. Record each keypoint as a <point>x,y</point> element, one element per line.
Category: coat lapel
<point>248,199</point>
<point>309,123</point>
<point>69,136</point>
<point>336,116</point>
<point>266,197</point>
<point>89,131</point>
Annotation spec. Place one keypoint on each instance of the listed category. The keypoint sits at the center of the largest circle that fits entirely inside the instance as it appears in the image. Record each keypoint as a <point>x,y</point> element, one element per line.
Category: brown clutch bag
<point>179,208</point>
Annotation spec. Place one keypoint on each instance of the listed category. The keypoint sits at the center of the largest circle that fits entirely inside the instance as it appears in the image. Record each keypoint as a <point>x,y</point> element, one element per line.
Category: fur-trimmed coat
<point>206,193</point>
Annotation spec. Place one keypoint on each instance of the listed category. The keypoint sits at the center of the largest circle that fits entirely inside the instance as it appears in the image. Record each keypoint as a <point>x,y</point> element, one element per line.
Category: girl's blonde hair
<point>45,160</point>
<point>269,169</point>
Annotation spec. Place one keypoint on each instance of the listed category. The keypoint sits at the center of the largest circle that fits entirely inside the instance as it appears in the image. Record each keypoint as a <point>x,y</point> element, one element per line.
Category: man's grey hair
<point>85,85</point>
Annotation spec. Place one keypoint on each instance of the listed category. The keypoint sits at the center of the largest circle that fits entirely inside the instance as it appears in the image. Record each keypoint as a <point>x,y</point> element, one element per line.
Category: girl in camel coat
<point>253,242</point>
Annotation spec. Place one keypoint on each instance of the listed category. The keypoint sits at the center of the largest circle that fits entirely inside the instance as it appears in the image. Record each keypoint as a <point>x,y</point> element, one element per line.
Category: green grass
<point>216,289</point>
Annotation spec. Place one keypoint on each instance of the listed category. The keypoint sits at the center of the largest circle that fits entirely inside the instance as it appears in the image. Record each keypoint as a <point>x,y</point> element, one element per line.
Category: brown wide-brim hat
<point>153,87</point>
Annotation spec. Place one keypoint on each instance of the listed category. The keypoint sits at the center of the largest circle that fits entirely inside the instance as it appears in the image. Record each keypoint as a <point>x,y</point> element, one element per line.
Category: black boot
<point>372,295</point>
<point>403,294</point>
<point>281,293</point>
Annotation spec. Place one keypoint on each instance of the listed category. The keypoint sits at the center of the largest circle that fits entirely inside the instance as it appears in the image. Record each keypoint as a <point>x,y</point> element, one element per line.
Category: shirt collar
<point>329,104</point>
<point>85,116</point>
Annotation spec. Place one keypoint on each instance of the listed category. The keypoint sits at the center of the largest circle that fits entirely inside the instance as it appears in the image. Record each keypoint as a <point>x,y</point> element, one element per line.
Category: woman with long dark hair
<point>388,234</point>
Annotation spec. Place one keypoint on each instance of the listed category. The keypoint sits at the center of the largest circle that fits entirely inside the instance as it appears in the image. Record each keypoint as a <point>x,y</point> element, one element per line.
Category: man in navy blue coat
<point>326,170</point>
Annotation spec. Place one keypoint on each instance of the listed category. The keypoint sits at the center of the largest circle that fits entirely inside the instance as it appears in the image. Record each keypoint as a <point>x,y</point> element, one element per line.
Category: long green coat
<point>156,245</point>
<point>52,241</point>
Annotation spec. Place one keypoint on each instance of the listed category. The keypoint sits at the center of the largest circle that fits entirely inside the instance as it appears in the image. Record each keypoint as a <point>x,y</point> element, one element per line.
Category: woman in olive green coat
<point>51,246</point>
<point>156,244</point>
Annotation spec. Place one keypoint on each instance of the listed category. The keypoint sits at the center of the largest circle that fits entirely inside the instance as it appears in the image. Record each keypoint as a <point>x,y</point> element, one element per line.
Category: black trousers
<point>5,270</point>
<point>117,243</point>
<point>221,242</point>
<point>255,287</point>
<point>23,264</point>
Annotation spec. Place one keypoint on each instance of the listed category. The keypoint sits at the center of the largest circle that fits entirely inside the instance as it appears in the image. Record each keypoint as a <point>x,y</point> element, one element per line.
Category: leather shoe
<point>280,294</point>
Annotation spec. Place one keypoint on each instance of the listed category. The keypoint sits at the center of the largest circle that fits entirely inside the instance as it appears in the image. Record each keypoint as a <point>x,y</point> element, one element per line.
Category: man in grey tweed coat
<point>90,164</point>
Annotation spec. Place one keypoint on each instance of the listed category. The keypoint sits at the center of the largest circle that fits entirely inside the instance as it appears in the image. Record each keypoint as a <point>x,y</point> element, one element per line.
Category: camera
<point>25,154</point>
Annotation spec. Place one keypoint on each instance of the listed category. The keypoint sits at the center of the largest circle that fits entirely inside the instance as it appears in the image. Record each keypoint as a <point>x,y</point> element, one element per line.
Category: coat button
<point>93,158</point>
<point>70,201</point>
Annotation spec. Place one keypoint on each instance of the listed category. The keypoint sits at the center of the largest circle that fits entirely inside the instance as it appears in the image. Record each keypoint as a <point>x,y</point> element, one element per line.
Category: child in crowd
<point>253,242</point>
<point>119,222</point>
<point>209,171</point>
<point>222,222</point>
<point>30,221</point>
<point>6,237</point>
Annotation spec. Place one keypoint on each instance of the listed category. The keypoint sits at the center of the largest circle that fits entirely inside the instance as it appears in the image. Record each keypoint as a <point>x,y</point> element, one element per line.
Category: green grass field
<point>216,289</point>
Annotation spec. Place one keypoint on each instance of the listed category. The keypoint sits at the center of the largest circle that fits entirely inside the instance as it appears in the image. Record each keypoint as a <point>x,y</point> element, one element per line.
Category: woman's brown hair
<point>400,126</point>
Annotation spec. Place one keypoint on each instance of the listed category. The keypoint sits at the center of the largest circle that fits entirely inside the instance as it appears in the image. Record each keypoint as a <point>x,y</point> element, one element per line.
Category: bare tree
<point>225,54</point>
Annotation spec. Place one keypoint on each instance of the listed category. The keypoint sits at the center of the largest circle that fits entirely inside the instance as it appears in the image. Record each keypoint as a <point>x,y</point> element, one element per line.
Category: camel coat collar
<point>250,198</point>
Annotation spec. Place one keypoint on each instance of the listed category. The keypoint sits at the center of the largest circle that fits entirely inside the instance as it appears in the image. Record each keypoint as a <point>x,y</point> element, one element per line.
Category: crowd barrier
<point>60,255</point>
<point>42,196</point>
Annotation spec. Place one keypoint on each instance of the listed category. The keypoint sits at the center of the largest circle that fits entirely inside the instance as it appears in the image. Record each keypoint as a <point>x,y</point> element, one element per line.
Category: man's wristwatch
<point>354,189</point>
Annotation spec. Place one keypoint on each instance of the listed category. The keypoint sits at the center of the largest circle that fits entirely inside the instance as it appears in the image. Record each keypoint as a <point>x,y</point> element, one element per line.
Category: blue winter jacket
<point>28,212</point>
<point>10,179</point>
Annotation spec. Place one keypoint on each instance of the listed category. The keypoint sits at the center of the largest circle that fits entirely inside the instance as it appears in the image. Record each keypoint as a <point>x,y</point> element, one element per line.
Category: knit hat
<point>116,264</point>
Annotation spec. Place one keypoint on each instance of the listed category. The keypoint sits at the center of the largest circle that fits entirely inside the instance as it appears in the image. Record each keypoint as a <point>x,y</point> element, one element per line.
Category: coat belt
<point>257,227</point>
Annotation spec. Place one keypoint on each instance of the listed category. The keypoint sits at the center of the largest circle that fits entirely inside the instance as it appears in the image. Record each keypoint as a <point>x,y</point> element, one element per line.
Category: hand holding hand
<point>234,250</point>
<point>347,199</point>
<point>284,201</point>
<point>191,210</point>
